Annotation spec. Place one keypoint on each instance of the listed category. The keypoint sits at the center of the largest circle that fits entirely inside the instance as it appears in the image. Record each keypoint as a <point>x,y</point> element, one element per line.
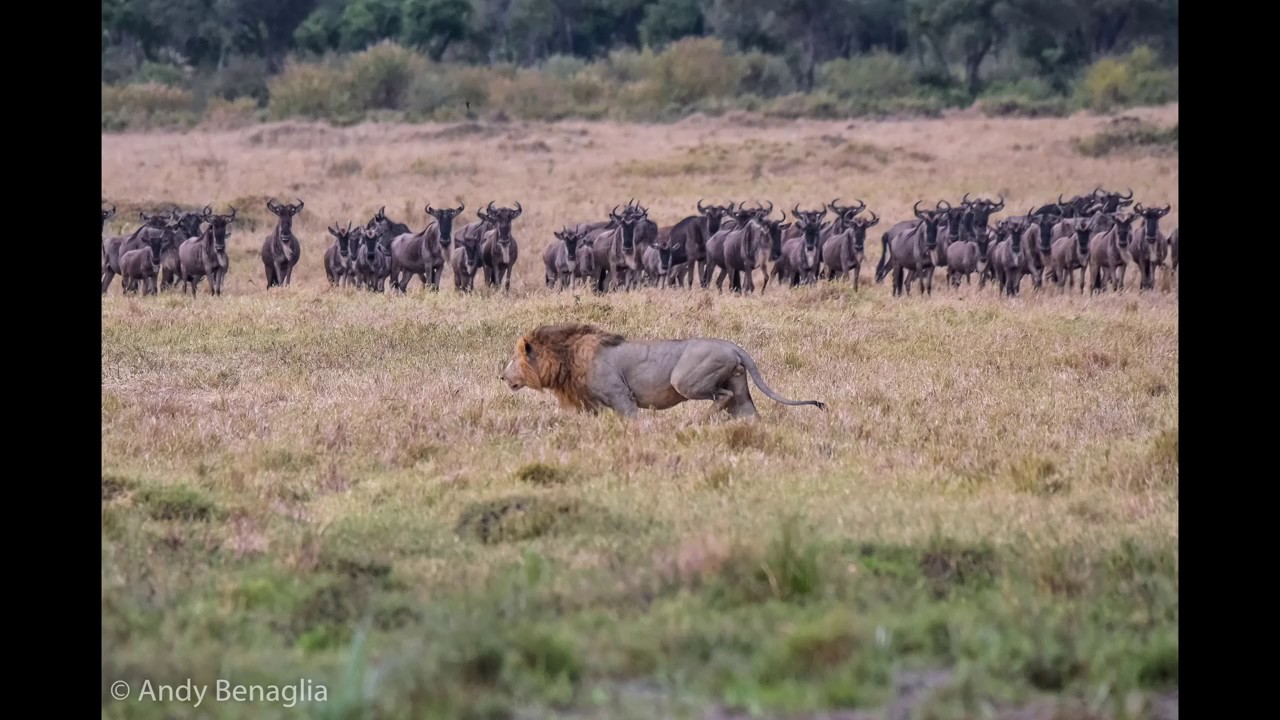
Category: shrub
<point>230,114</point>
<point>878,75</point>
<point>766,75</point>
<point>312,91</point>
<point>533,96</point>
<point>381,77</point>
<point>146,105</point>
<point>696,68</point>
<point>1133,79</point>
<point>1020,106</point>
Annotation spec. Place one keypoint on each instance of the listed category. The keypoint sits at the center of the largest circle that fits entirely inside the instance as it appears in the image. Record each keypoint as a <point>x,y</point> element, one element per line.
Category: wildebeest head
<point>860,225</point>
<point>187,223</point>
<point>846,212</point>
<point>931,219</point>
<point>218,226</point>
<point>371,234</point>
<point>774,229</point>
<point>954,219</point>
<point>664,261</point>
<point>1083,228</point>
<point>810,223</point>
<point>285,213</point>
<point>627,221</point>
<point>158,242</point>
<point>982,209</point>
<point>1122,227</point>
<point>1112,201</point>
<point>714,214</point>
<point>501,219</point>
<point>983,239</point>
<point>743,214</point>
<point>571,239</point>
<point>1045,221</point>
<point>444,220</point>
<point>343,236</point>
<point>107,215</point>
<point>157,221</point>
<point>1151,220</point>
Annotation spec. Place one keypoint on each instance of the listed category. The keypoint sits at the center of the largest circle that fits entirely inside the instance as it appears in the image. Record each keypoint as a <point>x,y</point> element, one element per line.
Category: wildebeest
<point>800,256</point>
<point>142,265</point>
<point>338,264</point>
<point>423,254</point>
<point>207,254</point>
<point>1150,252</point>
<point>618,255</point>
<point>715,244</point>
<point>968,254</point>
<point>660,268</point>
<point>843,254</point>
<point>1008,262</point>
<point>281,249</point>
<point>186,226</point>
<point>1109,253</point>
<point>386,230</point>
<point>1037,241</point>
<point>690,236</point>
<point>115,246</point>
<point>373,264</point>
<point>565,257</point>
<point>498,249</point>
<point>465,261</point>
<point>909,246</point>
<point>1071,253</point>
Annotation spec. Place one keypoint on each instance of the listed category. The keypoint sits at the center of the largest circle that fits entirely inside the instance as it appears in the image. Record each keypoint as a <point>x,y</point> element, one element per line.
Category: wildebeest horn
<point>1129,196</point>
<point>874,219</point>
<point>700,206</point>
<point>1138,208</point>
<point>519,210</point>
<point>1163,212</point>
<point>429,208</point>
<point>965,200</point>
<point>272,204</point>
<point>489,209</point>
<point>916,209</point>
<point>795,211</point>
<point>461,206</point>
<point>941,203</point>
<point>1000,205</point>
<point>208,210</point>
<point>770,210</point>
<point>233,214</point>
<point>299,205</point>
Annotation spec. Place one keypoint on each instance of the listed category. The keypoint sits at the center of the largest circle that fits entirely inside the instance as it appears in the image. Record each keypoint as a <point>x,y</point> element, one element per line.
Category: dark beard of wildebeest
<point>1071,253</point>
<point>1109,253</point>
<point>338,266</point>
<point>1152,249</point>
<point>117,245</point>
<point>207,255</point>
<point>143,264</point>
<point>968,253</point>
<point>281,249</point>
<point>1037,245</point>
<point>1009,262</point>
<point>465,261</point>
<point>909,246</point>
<point>423,254</point>
<point>800,256</point>
<point>716,243</point>
<point>563,257</point>
<point>187,226</point>
<point>372,262</point>
<point>498,249</point>
<point>844,253</point>
<point>618,254</point>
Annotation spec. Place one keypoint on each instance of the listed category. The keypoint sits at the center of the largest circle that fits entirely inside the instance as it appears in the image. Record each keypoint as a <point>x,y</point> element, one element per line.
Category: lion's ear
<point>528,352</point>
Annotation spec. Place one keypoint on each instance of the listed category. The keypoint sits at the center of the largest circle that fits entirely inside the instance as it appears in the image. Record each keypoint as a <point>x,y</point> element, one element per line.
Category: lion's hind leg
<point>739,403</point>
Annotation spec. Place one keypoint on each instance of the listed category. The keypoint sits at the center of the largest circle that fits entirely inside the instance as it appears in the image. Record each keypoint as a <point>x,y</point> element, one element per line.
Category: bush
<point>766,75</point>
<point>382,76</point>
<point>533,96</point>
<point>1020,106</point>
<point>875,76</point>
<point>242,77</point>
<point>696,68</point>
<point>230,114</point>
<point>1134,79</point>
<point>147,105</point>
<point>313,91</point>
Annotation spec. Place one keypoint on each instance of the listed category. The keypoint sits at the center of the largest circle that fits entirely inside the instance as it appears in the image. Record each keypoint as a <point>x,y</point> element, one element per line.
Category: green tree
<point>435,24</point>
<point>365,22</point>
<point>668,20</point>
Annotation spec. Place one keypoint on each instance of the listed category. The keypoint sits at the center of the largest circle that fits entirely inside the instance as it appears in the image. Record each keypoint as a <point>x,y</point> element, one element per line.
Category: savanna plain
<point>332,486</point>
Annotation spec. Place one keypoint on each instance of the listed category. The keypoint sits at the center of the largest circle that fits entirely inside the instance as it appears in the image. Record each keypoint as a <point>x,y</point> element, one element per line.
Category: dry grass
<point>300,424</point>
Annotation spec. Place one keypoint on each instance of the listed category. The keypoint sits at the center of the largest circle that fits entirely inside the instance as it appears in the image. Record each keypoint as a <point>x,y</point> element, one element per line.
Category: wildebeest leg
<point>107,276</point>
<point>898,272</point>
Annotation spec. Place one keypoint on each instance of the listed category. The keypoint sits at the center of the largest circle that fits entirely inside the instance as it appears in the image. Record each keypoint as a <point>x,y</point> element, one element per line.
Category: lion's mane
<point>562,359</point>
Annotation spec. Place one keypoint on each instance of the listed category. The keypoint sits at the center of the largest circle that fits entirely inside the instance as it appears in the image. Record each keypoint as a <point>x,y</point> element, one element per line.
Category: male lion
<point>587,368</point>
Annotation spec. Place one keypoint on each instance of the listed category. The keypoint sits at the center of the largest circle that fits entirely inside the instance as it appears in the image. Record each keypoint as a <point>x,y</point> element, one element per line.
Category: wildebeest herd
<point>1093,234</point>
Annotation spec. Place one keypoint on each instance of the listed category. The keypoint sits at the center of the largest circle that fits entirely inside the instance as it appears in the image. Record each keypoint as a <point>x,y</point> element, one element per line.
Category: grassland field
<point>333,485</point>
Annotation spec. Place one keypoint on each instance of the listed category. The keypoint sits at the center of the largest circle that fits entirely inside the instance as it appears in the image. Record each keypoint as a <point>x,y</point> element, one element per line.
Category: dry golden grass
<point>320,421</point>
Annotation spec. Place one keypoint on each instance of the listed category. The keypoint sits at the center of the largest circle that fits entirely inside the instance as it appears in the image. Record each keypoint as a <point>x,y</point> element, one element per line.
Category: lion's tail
<point>750,365</point>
